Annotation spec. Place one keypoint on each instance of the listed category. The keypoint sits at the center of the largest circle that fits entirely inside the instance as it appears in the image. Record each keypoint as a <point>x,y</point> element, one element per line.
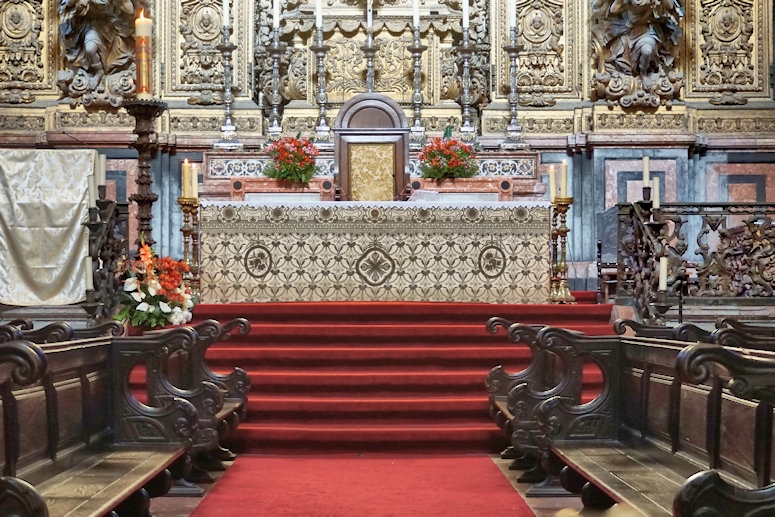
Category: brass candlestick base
<point>190,229</point>
<point>559,291</point>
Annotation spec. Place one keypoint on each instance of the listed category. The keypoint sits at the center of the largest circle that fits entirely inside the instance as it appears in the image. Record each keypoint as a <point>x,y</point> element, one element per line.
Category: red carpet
<point>384,377</point>
<point>358,486</point>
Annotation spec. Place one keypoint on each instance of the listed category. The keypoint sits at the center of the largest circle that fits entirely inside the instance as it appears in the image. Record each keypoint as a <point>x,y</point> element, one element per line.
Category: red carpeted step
<point>368,375</point>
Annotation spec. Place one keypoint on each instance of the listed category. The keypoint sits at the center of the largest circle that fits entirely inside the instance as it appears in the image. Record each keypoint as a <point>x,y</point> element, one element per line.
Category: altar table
<point>394,251</point>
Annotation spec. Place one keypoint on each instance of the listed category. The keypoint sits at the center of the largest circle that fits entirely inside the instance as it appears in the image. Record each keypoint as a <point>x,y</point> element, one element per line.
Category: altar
<point>375,251</point>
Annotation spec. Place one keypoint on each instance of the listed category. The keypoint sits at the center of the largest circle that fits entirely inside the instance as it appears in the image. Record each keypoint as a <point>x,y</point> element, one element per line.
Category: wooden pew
<point>648,431</point>
<point>685,331</point>
<point>80,442</point>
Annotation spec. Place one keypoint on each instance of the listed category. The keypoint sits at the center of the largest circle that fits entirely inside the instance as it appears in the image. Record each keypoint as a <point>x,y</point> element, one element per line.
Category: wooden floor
<point>541,506</point>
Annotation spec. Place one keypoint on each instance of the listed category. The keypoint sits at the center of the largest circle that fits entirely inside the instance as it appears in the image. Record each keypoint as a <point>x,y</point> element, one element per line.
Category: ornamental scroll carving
<point>727,50</point>
<point>201,66</point>
<point>21,64</point>
<point>635,45</point>
<point>96,40</point>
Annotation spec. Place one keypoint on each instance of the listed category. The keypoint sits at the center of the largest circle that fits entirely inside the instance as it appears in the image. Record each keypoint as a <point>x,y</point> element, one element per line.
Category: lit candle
<point>276,14</point>
<point>102,170</point>
<point>663,273</point>
<point>143,53</point>
<point>369,20</point>
<point>465,14</point>
<point>185,178</point>
<point>92,190</point>
<point>225,14</point>
<point>194,189</point>
<point>646,173</point>
<point>512,14</point>
<point>415,13</point>
<point>319,13</point>
<point>552,183</point>
<point>564,180</point>
<point>88,273</point>
<point>655,192</point>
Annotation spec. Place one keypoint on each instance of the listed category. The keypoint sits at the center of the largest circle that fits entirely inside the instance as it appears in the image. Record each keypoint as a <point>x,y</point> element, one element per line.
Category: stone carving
<point>727,49</point>
<point>96,39</point>
<point>21,65</point>
<point>200,62</point>
<point>541,67</point>
<point>635,44</point>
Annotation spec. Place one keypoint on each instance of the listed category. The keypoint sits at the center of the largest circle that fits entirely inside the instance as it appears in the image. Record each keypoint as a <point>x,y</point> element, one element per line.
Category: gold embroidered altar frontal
<point>374,252</point>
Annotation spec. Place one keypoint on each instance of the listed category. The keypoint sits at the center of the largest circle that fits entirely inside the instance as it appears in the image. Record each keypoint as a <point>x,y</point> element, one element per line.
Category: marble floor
<point>541,506</point>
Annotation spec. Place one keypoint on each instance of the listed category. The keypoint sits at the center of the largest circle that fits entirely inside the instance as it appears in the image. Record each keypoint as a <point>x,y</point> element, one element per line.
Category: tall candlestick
<point>143,53</point>
<point>564,180</point>
<point>512,14</point>
<point>276,14</point>
<point>552,183</point>
<point>101,170</point>
<point>465,14</point>
<point>663,273</point>
<point>185,178</point>
<point>225,14</point>
<point>646,172</point>
<point>655,192</point>
<point>319,13</point>
<point>415,13</point>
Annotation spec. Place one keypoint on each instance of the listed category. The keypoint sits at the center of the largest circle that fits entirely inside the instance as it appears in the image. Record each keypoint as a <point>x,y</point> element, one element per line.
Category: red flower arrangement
<point>447,158</point>
<point>154,293</point>
<point>293,159</point>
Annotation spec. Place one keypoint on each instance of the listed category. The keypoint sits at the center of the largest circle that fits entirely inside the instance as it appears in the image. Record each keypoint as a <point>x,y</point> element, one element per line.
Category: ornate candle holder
<point>417,134</point>
<point>322,130</point>
<point>466,50</point>
<point>145,113</point>
<point>513,130</point>
<point>228,140</point>
<point>369,50</point>
<point>275,122</point>
<point>560,293</point>
<point>190,229</point>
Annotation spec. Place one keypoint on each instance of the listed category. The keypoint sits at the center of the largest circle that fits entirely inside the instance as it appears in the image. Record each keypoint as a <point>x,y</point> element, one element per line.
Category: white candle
<point>319,13</point>
<point>415,13</point>
<point>88,273</point>
<point>143,53</point>
<point>276,14</point>
<point>369,15</point>
<point>225,14</point>
<point>185,178</point>
<point>655,192</point>
<point>102,170</point>
<point>663,273</point>
<point>564,180</point>
<point>92,190</point>
<point>465,14</point>
<point>512,14</point>
<point>646,173</point>
<point>194,189</point>
<point>552,183</point>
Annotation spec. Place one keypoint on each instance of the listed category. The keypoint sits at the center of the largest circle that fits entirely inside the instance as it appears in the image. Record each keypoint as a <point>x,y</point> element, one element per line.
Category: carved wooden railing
<point>716,252</point>
<point>108,243</point>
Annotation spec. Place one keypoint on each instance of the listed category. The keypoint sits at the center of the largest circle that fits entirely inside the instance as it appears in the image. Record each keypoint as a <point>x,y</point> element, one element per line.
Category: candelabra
<point>560,293</point>
<point>275,50</point>
<point>467,130</point>
<point>145,113</point>
<point>513,130</point>
<point>417,134</point>
<point>322,131</point>
<point>369,50</point>
<point>228,140</point>
<point>190,229</point>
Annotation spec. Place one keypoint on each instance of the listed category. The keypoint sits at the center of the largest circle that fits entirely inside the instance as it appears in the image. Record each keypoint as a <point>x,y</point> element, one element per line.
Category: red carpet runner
<point>377,376</point>
<point>353,486</point>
